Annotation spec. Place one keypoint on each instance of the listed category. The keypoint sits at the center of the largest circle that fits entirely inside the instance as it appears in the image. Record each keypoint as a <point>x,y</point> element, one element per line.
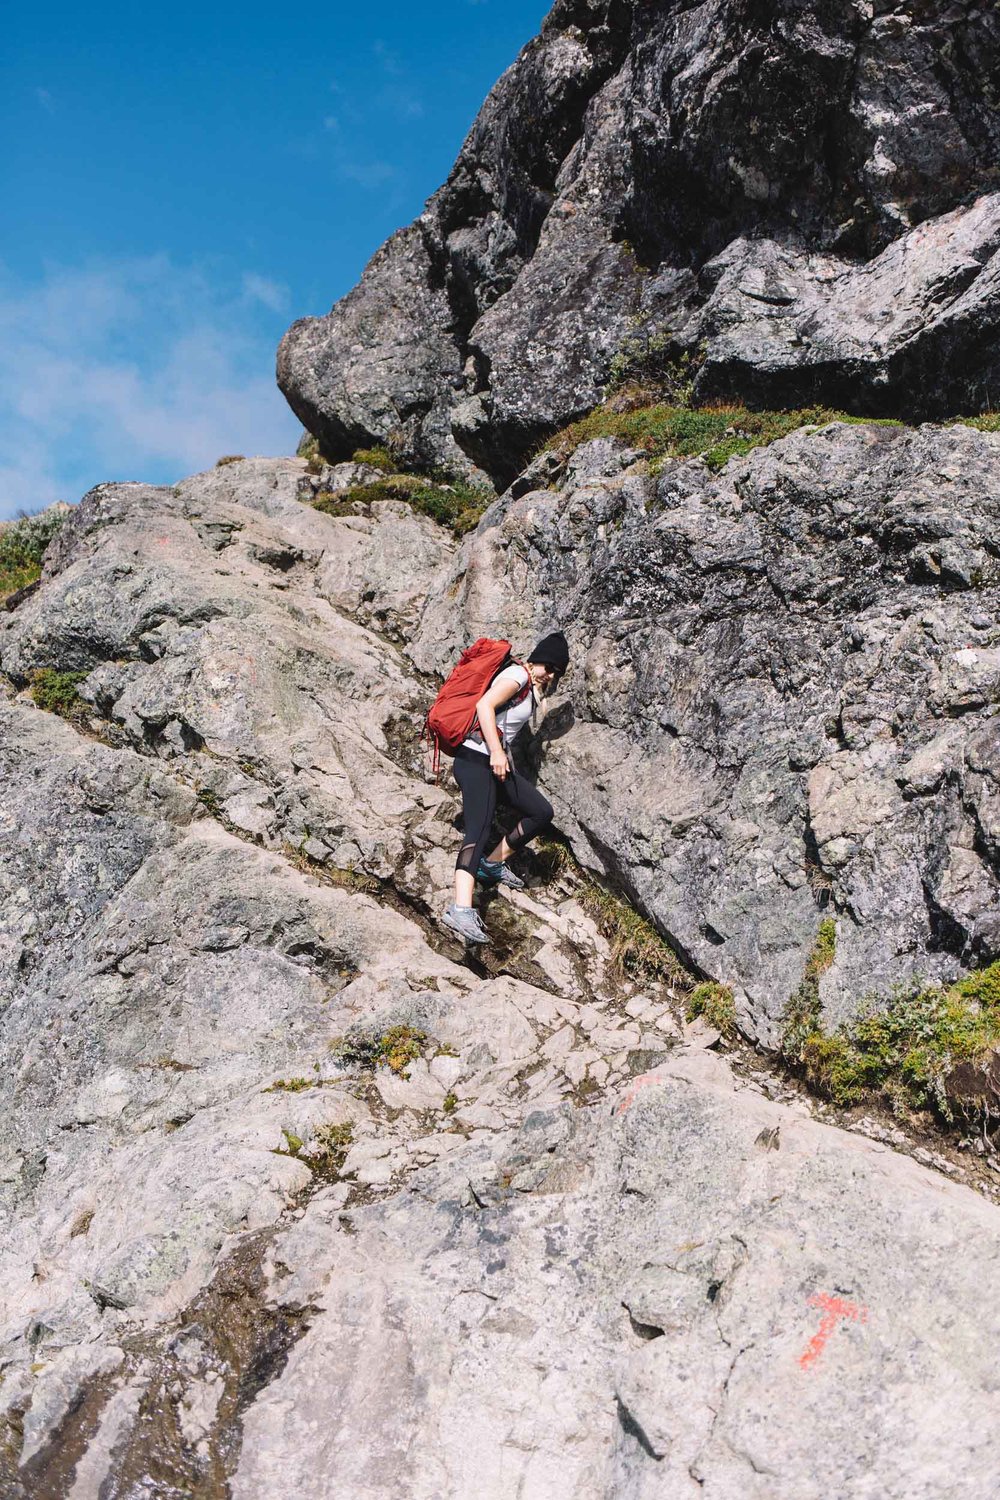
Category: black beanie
<point>552,651</point>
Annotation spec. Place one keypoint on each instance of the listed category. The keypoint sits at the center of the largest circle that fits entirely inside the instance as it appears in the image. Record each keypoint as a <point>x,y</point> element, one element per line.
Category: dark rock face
<point>785,190</point>
<point>782,704</point>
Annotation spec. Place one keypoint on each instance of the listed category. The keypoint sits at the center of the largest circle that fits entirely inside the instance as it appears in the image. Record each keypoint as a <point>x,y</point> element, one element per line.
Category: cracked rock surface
<point>805,199</point>
<point>784,694</point>
<point>563,1250</point>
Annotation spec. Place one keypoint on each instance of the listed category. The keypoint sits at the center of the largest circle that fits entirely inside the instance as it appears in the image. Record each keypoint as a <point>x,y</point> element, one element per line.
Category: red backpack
<point>452,715</point>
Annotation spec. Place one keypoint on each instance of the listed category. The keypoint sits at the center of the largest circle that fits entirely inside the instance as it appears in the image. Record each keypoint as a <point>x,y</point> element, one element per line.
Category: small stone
<point>447,1070</point>
<point>559,1043</point>
<point>479,1117</point>
<point>574,1067</point>
<point>363,1153</point>
<point>375,1172</point>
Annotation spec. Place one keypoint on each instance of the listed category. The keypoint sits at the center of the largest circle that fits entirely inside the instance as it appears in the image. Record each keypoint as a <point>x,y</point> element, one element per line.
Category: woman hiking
<point>485,771</point>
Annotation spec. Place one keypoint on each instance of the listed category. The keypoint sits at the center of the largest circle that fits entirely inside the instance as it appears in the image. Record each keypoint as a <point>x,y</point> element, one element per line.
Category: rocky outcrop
<point>787,196</point>
<point>784,693</point>
<point>561,1249</point>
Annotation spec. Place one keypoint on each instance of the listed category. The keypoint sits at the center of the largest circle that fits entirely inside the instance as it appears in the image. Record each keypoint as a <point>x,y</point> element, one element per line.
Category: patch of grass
<point>290,1085</point>
<point>456,505</point>
<point>637,948</point>
<point>14,579</point>
<point>229,458</point>
<point>802,1013</point>
<point>987,421</point>
<point>378,457</point>
<point>56,692</point>
<point>716,1003</point>
<point>310,450</point>
<point>901,1047</point>
<point>716,433</point>
<point>350,879</point>
<point>327,1148</point>
<point>648,361</point>
<point>552,855</point>
<point>345,502</point>
<point>22,548</point>
<point>450,1102</point>
<point>347,877</point>
<point>673,428</point>
<point>210,801</point>
<point>394,1049</point>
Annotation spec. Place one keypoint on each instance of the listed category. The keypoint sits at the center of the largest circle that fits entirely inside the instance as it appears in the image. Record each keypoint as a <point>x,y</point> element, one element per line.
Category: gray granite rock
<point>566,1255</point>
<point>787,194</point>
<point>671,1308</point>
<point>782,704</point>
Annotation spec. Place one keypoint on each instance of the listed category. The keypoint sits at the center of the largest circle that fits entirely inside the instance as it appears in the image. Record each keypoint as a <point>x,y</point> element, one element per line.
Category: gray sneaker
<point>466,921</point>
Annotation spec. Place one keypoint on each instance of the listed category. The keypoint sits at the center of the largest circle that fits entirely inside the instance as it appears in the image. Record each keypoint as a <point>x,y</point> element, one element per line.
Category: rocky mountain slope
<point>301,1197</point>
<point>787,697</point>
<point>799,201</point>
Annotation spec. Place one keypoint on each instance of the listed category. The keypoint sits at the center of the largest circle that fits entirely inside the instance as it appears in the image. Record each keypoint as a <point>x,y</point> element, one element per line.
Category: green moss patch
<point>56,692</point>
<point>376,458</point>
<point>715,433</point>
<point>988,421</point>
<point>802,1013</point>
<point>328,1147</point>
<point>395,1049</point>
<point>901,1048</point>
<point>715,1002</point>
<point>456,505</point>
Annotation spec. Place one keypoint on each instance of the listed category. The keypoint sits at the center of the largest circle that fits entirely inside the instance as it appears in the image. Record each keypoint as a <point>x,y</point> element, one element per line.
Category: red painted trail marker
<point>643,1081</point>
<point>834,1309</point>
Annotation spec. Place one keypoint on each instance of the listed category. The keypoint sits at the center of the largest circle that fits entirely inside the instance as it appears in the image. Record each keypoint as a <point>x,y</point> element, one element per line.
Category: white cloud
<point>368,174</point>
<point>273,294</point>
<point>134,369</point>
<point>405,103</point>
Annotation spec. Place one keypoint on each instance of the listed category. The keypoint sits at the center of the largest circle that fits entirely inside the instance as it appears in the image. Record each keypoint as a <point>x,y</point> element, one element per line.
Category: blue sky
<point>178,184</point>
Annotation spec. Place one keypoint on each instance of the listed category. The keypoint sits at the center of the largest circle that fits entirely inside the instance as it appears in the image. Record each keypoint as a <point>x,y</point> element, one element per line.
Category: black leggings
<point>480,789</point>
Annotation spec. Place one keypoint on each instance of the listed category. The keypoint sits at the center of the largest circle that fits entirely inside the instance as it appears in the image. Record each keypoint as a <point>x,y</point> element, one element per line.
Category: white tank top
<point>510,720</point>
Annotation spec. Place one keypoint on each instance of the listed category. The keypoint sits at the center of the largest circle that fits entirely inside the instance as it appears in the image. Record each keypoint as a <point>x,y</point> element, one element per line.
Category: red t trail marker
<point>834,1309</point>
<point>643,1081</point>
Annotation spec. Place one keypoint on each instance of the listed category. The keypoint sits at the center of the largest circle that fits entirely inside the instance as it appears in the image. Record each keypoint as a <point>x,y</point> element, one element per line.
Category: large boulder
<point>783,695</point>
<point>783,194</point>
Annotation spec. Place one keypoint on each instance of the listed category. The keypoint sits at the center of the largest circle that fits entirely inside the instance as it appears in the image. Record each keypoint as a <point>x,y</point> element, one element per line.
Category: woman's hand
<point>499,764</point>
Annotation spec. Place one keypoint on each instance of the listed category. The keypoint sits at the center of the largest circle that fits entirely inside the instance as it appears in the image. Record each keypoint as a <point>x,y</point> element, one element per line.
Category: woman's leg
<point>536,811</point>
<point>479,802</point>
